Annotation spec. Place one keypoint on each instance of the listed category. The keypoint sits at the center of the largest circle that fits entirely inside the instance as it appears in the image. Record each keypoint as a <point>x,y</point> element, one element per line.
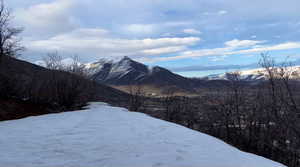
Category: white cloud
<point>282,46</point>
<point>140,28</point>
<point>96,42</point>
<point>164,50</point>
<point>178,23</point>
<point>222,12</point>
<point>234,49</point>
<point>148,29</point>
<point>192,31</point>
<point>242,43</point>
<point>48,18</point>
<point>83,33</point>
<point>196,53</point>
<point>218,58</point>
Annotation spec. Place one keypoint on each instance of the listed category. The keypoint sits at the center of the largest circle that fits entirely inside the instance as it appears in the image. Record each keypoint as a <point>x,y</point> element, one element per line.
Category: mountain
<point>129,72</point>
<point>102,135</point>
<point>246,75</point>
<point>254,75</point>
<point>125,71</point>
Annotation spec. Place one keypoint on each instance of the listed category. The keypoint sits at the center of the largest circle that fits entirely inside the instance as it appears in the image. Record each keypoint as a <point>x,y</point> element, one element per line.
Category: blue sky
<point>187,36</point>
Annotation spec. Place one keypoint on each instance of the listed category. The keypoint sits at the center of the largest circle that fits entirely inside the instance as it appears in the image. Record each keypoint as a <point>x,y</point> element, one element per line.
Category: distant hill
<point>254,75</point>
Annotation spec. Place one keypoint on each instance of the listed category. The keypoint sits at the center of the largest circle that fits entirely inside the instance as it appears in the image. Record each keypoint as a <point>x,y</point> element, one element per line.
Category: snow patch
<point>107,136</point>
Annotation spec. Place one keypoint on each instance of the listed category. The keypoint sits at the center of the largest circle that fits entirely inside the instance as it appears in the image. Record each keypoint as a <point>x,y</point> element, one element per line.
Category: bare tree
<point>76,67</point>
<point>9,42</point>
<point>53,61</point>
<point>284,107</point>
<point>137,97</point>
<point>167,102</point>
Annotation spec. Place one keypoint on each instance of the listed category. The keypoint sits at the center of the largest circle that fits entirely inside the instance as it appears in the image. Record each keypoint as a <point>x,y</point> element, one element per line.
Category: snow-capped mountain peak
<point>125,70</point>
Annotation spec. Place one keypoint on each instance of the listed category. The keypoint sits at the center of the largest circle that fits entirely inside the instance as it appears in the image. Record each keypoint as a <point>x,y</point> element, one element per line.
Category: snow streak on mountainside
<point>129,72</point>
<point>256,74</point>
<point>123,71</point>
<point>113,137</point>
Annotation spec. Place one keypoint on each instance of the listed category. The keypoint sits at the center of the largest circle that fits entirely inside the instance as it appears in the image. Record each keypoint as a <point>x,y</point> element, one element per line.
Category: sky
<point>190,37</point>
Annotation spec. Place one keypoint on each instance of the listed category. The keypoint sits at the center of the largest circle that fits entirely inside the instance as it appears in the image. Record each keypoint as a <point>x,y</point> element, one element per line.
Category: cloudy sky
<point>188,36</point>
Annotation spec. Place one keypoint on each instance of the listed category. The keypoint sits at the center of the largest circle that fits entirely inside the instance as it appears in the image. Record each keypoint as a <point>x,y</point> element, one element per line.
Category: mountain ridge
<point>130,72</point>
<point>126,72</point>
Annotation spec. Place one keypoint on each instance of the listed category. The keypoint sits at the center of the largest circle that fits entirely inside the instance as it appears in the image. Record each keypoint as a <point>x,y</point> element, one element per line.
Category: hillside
<point>108,136</point>
<point>27,89</point>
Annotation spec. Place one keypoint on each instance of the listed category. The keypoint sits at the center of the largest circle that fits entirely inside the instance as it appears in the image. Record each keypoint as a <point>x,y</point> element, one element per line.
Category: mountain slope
<point>108,136</point>
<point>129,72</point>
<point>125,71</point>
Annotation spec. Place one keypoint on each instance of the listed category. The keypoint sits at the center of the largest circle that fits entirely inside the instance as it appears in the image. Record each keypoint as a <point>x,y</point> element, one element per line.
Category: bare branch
<point>9,42</point>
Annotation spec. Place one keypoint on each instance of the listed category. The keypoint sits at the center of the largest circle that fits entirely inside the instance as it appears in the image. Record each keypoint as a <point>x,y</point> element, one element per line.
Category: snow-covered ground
<point>105,136</point>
